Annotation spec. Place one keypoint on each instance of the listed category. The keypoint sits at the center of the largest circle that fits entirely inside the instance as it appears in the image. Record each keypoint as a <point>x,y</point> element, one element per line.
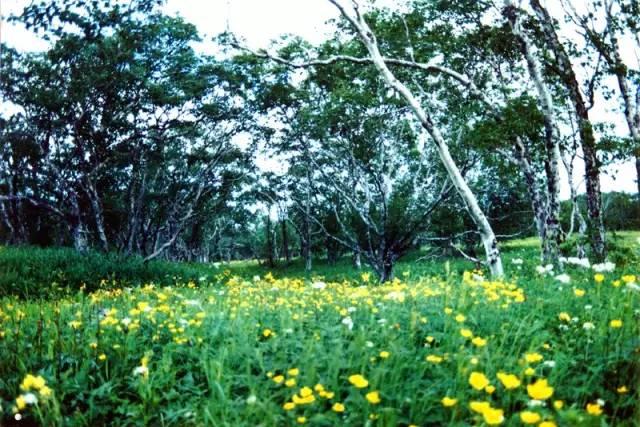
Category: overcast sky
<point>260,21</point>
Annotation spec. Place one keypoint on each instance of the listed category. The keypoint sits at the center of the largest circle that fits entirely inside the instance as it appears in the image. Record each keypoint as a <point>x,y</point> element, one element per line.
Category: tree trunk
<point>489,241</point>
<point>550,236</point>
<point>285,241</point>
<point>585,129</point>
<point>96,207</point>
<point>357,260</point>
<point>269,242</point>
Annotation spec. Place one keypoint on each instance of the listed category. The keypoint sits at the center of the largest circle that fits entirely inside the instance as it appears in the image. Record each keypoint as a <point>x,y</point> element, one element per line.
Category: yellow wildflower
<point>594,409</point>
<point>509,381</point>
<point>616,323</point>
<point>358,381</point>
<point>493,416</point>
<point>533,357</point>
<point>337,407</point>
<point>448,401</point>
<point>540,390</point>
<point>373,397</point>
<point>529,417</point>
<point>478,380</point>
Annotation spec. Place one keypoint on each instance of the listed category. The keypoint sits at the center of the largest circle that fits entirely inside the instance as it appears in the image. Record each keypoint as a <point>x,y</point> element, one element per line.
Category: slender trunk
<point>285,241</point>
<point>269,242</point>
<point>357,260</point>
<point>78,232</point>
<point>98,215</point>
<point>551,234</point>
<point>585,129</point>
<point>535,196</point>
<point>488,237</point>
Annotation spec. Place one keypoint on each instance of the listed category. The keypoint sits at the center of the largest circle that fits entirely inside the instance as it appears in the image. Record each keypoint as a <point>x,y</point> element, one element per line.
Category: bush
<point>28,272</point>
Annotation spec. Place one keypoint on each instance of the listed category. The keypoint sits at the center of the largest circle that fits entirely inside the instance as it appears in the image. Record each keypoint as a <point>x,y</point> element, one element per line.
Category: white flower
<point>581,262</point>
<point>604,267</point>
<point>369,344</point>
<point>600,402</point>
<point>587,326</point>
<point>202,278</point>
<point>351,309</point>
<point>564,327</point>
<point>126,321</point>
<point>477,278</point>
<point>348,322</point>
<point>382,321</point>
<point>141,370</point>
<point>318,285</point>
<point>517,261</point>
<point>588,307</point>
<point>216,265</point>
<point>17,417</point>
<point>30,398</point>
<point>534,402</point>
<point>544,269</point>
<point>192,302</point>
<point>564,278</point>
<point>549,363</point>
<point>251,400</point>
<point>256,278</point>
<point>632,286</point>
<point>288,331</point>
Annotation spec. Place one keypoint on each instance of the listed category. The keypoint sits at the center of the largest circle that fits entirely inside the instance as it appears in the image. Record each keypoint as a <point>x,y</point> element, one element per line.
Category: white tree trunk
<point>489,241</point>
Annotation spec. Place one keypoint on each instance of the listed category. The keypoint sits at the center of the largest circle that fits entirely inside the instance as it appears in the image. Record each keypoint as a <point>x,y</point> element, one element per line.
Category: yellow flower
<point>301,420</point>
<point>319,388</point>
<point>629,278</point>
<point>460,318</point>
<point>305,392</point>
<point>448,310</point>
<point>293,372</point>
<point>303,400</point>
<point>365,277</point>
<point>21,403</point>
<point>102,357</point>
<point>338,407</point>
<point>479,342</point>
<point>479,407</point>
<point>594,409</point>
<point>267,333</point>
<point>558,404</point>
<point>509,381</point>
<point>45,391</point>
<point>540,390</point>
<point>493,416</point>
<point>529,417</point>
<point>478,380</point>
<point>599,277</point>
<point>466,333</point>
<point>373,397</point>
<point>616,323</point>
<point>622,389</point>
<point>289,406</point>
<point>490,389</point>
<point>278,379</point>
<point>533,357</point>
<point>32,382</point>
<point>448,401</point>
<point>433,358</point>
<point>564,316</point>
<point>290,382</point>
<point>358,381</point>
<point>547,424</point>
<point>384,354</point>
<point>579,292</point>
<point>529,371</point>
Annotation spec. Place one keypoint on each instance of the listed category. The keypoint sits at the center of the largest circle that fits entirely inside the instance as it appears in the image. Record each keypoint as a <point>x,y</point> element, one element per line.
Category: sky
<point>259,22</point>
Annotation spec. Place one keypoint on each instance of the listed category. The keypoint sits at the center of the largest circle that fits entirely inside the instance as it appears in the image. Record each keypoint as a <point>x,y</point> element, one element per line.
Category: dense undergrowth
<point>438,346</point>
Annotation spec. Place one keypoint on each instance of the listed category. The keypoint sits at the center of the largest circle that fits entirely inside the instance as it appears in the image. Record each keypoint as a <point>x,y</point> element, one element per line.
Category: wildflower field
<point>238,348</point>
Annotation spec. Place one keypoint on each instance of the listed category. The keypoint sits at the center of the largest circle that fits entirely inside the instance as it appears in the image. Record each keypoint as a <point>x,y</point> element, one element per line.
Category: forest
<point>191,235</point>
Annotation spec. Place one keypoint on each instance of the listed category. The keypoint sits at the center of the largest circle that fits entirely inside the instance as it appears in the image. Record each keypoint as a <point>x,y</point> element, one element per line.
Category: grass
<point>283,349</point>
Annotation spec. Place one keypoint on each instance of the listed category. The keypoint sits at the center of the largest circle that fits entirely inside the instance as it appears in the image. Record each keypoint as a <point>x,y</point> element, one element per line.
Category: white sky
<point>259,21</point>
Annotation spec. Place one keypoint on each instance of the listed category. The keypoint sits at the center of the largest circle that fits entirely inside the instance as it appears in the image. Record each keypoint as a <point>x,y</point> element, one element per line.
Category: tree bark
<point>585,129</point>
<point>550,236</point>
<point>285,241</point>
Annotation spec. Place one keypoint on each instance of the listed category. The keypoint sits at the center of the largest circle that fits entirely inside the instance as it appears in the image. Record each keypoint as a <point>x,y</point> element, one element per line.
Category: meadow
<point>233,345</point>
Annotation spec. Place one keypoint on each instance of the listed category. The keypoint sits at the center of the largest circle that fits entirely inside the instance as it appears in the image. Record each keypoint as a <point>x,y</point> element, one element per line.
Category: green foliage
<point>212,353</point>
<point>34,273</point>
